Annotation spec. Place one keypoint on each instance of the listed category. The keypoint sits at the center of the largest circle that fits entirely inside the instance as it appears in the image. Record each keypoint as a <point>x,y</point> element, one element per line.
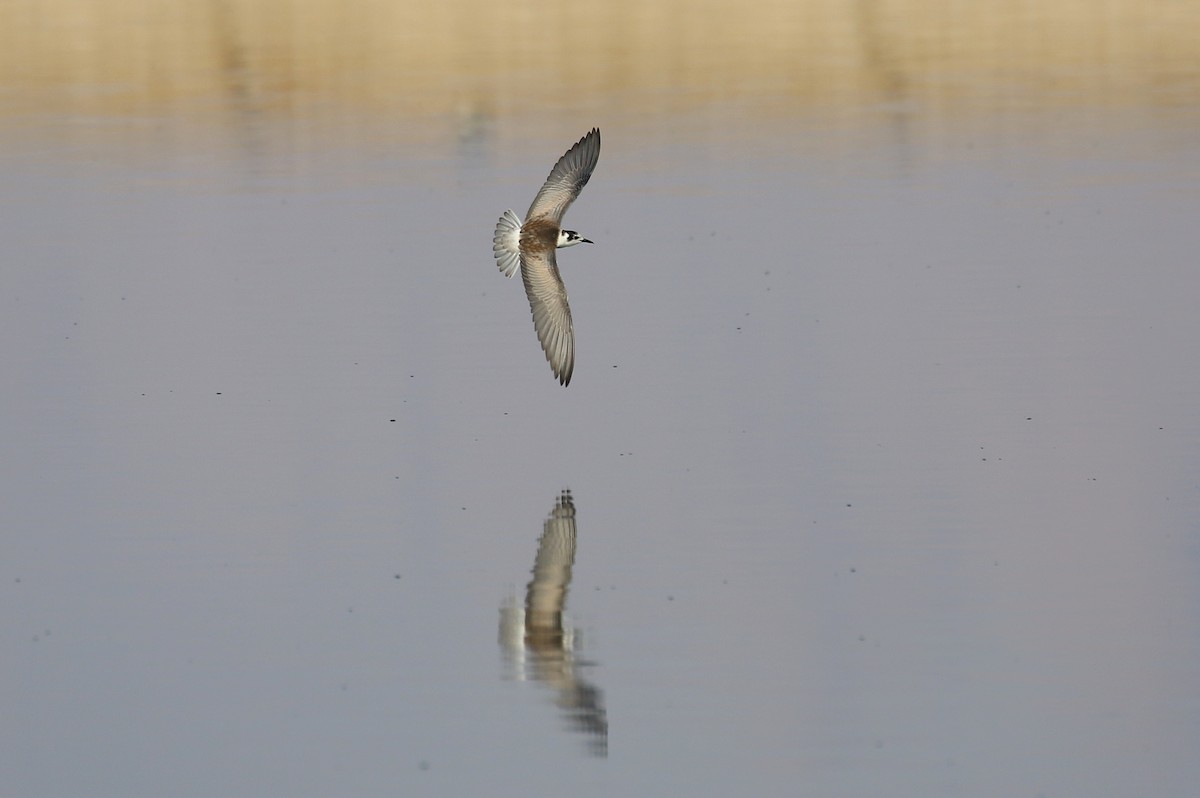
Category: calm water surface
<point>881,449</point>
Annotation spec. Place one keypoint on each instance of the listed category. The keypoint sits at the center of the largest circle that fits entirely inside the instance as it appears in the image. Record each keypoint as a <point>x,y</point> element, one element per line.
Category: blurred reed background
<point>364,70</point>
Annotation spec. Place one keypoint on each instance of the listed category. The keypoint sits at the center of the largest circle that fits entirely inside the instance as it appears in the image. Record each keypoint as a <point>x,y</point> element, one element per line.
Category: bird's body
<point>530,246</point>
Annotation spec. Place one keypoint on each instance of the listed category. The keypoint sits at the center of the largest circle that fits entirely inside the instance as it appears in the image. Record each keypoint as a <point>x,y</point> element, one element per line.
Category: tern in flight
<point>530,245</point>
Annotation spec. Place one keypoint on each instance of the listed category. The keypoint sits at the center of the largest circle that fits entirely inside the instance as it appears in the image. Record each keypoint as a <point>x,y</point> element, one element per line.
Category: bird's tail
<point>506,244</point>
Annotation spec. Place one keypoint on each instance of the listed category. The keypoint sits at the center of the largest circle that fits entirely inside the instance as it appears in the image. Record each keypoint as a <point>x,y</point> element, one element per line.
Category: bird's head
<point>569,238</point>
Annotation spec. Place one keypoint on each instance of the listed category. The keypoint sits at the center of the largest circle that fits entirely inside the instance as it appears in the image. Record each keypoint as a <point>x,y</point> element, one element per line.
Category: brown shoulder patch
<point>539,234</point>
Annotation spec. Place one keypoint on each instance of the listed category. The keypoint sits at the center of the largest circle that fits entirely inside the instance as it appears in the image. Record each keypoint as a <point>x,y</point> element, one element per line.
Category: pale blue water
<point>884,452</point>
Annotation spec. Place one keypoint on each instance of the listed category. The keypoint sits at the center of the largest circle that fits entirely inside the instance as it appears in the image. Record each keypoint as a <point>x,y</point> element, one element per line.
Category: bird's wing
<point>547,591</point>
<point>506,244</point>
<point>551,314</point>
<point>567,179</point>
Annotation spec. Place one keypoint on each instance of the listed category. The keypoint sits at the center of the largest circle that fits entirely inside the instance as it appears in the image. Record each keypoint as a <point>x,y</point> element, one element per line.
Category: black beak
<point>586,240</point>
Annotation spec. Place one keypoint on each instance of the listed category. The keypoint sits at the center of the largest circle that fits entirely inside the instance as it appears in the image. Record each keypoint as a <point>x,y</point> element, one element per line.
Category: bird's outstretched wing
<point>567,179</point>
<point>551,313</point>
<point>546,594</point>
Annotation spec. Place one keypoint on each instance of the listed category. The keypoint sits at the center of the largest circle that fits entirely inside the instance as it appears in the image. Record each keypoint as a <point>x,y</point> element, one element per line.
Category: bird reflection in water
<point>538,645</point>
